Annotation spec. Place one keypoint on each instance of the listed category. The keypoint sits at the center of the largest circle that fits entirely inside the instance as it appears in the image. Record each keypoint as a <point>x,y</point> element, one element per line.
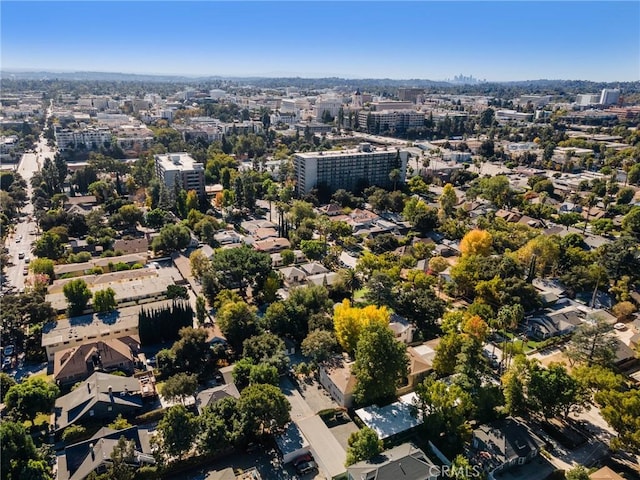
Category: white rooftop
<point>391,419</point>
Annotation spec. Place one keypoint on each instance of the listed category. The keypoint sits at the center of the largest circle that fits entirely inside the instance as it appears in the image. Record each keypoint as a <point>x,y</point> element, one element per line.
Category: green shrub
<point>150,417</point>
<point>74,432</point>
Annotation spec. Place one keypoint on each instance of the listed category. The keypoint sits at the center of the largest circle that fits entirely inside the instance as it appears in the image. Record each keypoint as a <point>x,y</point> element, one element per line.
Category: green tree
<point>363,445</point>
<point>448,201</point>
<point>120,423</point>
<point>35,395</point>
<point>514,383</point>
<point>313,249</point>
<point>201,309</point>
<point>319,345</point>
<point>445,409</point>
<point>263,408</point>
<point>552,391</point>
<point>264,374</point>
<point>122,456</point>
<point>380,363</point>
<point>180,386</point>
<point>104,300</point>
<point>237,321</point>
<point>77,294</point>
<point>172,237</point>
<point>621,410</point>
<point>42,266</point>
<point>49,245</point>
<point>178,429</point>
<point>17,451</point>
<point>577,473</point>
<point>593,344</point>
<point>242,373</point>
<point>266,348</point>
<point>191,350</point>
<point>631,222</point>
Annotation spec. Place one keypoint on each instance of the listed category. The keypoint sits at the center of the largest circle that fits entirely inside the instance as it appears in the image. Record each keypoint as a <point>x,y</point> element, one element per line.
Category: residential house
<point>605,473</point>
<point>210,396</point>
<point>554,323</point>
<point>404,462</point>
<point>336,377</point>
<point>78,245</point>
<point>77,363</point>
<point>331,210</point>
<point>94,455</point>
<point>136,245</point>
<point>402,328</point>
<point>420,364</point>
<point>394,419</point>
<point>502,444</point>
<point>102,396</point>
<point>291,443</point>
<point>271,245</point>
<point>314,268</point>
<point>292,276</point>
<point>80,204</point>
<point>324,279</point>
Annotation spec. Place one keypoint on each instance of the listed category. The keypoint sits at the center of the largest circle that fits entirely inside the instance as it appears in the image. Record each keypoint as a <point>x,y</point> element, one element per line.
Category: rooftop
<point>391,419</point>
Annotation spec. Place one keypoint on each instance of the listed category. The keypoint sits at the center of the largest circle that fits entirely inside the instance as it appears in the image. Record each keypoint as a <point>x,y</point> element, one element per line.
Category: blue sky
<point>497,41</point>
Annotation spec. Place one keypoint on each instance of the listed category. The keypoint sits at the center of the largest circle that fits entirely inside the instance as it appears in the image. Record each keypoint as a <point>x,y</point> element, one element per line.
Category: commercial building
<point>183,167</point>
<point>351,170</point>
<point>90,137</point>
<point>609,96</point>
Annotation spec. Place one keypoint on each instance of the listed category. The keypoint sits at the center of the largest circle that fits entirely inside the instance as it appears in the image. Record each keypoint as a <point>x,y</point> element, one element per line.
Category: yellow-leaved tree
<point>476,242</point>
<point>349,322</point>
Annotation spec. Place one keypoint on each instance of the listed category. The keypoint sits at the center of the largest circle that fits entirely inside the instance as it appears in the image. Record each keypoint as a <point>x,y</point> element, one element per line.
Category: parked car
<point>6,364</point>
<point>307,467</point>
<point>21,255</point>
<point>9,350</point>
<point>302,459</point>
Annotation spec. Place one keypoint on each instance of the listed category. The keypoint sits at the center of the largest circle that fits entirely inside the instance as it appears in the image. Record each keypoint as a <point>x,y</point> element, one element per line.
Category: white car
<point>620,326</point>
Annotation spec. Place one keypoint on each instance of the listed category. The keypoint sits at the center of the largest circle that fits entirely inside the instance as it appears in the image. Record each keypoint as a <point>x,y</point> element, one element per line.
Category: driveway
<point>299,407</point>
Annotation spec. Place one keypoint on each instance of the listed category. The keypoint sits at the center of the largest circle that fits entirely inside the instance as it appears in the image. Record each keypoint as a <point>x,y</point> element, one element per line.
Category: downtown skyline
<point>496,41</point>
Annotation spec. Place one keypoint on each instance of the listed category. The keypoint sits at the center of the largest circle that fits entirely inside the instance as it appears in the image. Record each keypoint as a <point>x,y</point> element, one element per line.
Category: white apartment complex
<point>388,119</point>
<point>88,137</point>
<point>348,169</point>
<point>609,96</point>
<point>173,165</point>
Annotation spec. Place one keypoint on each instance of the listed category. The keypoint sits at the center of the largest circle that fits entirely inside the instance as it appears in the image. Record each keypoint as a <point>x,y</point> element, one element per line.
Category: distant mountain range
<point>279,82</point>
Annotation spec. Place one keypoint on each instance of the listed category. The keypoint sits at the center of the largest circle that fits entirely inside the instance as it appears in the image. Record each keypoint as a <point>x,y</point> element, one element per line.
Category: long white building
<point>351,170</point>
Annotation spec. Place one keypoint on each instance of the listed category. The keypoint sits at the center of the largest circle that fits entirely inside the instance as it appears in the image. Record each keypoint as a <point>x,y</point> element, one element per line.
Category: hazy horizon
<point>496,41</point>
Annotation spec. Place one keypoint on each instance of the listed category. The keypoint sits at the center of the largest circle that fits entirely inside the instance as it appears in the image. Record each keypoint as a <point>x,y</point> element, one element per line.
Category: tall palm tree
<point>352,281</point>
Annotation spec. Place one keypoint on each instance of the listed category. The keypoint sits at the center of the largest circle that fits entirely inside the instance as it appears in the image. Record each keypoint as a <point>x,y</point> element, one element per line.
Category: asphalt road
<point>25,229</point>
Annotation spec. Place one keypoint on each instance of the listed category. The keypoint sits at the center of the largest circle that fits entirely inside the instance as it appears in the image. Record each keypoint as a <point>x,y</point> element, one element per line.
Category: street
<point>24,233</point>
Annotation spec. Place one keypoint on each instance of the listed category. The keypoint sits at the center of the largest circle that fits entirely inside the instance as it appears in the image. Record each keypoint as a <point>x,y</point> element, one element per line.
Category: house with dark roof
<point>554,323</point>
<point>404,462</point>
<point>101,396</point>
<point>94,455</point>
<point>502,444</point>
<point>210,396</point>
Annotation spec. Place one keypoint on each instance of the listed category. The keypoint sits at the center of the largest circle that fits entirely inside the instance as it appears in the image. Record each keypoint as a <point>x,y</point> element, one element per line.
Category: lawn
<point>358,295</point>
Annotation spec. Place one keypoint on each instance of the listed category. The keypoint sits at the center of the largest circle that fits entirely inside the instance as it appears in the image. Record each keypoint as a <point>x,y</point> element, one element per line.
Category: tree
<point>263,374</point>
<point>193,201</point>
<point>349,322</point>
<point>319,345</point>
<point>621,410</point>
<point>104,300</point>
<point>200,264</point>
<point>122,456</point>
<point>35,395</point>
<point>420,215</point>
<point>49,245</point>
<point>192,350</point>
<point>172,237</point>
<point>180,386</point>
<point>263,408</point>
<point>496,189</point>
<point>177,430</point>
<point>242,373</point>
<point>395,176</point>
<point>448,201</point>
<point>445,409</point>
<point>476,242</point>
<point>593,344</point>
<point>623,310</point>
<point>18,450</point>
<point>120,423</point>
<point>351,281</point>
<point>77,294</point>
<point>363,445</point>
<point>214,436</point>
<point>540,253</point>
<point>236,268</point>
<point>201,309</point>
<point>313,249</point>
<point>266,348</point>
<point>631,222</point>
<point>552,391</point>
<point>514,383</point>
<point>380,363</point>
<point>42,266</point>
<point>577,473</point>
<point>237,320</point>
<point>569,219</point>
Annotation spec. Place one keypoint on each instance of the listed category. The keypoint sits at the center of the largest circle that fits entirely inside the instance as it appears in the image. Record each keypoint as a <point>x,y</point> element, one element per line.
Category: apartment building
<point>349,169</point>
<point>88,137</point>
<point>180,165</point>
<point>381,120</point>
